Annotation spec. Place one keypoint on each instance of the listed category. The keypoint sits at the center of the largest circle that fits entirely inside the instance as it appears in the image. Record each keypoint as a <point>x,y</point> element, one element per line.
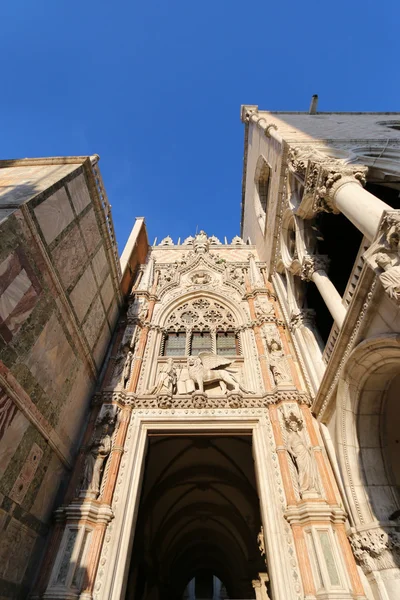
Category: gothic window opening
<point>227,343</point>
<point>201,342</point>
<point>175,344</point>
<point>261,180</point>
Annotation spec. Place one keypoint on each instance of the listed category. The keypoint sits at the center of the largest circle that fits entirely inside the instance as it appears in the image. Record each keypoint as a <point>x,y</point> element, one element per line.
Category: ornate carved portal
<point>202,375</point>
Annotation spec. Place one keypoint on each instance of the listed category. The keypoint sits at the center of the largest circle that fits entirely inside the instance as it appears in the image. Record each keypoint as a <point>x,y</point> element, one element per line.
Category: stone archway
<point>199,515</point>
<point>368,423</point>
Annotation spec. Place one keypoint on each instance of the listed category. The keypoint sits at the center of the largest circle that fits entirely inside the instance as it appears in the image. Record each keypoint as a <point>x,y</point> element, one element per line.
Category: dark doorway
<point>198,520</point>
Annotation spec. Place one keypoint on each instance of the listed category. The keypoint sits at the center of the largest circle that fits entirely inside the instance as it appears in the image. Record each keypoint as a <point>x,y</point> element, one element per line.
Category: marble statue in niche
<point>127,369</point>
<point>167,380</point>
<point>302,455</point>
<point>97,454</point>
<point>277,361</point>
<point>390,278</point>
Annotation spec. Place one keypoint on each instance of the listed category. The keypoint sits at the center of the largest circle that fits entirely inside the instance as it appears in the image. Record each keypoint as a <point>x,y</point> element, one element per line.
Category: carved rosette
<point>164,401</point>
<point>199,399</point>
<point>376,549</point>
<point>311,264</point>
<point>234,400</point>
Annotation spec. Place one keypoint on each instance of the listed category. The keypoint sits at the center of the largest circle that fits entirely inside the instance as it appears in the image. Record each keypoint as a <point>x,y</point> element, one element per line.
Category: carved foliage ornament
<point>311,264</point>
<point>322,176</point>
<point>376,549</point>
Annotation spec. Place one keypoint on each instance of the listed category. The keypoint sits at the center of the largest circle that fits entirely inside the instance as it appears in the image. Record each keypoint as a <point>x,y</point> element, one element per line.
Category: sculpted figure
<point>127,369</point>
<point>277,362</point>
<point>263,307</point>
<point>143,310</point>
<point>97,454</point>
<point>203,369</point>
<point>302,456</point>
<point>390,278</point>
<point>167,380</point>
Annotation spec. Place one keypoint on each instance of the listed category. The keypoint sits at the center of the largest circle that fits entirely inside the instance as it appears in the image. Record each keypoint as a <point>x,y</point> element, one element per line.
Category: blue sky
<point>155,89</point>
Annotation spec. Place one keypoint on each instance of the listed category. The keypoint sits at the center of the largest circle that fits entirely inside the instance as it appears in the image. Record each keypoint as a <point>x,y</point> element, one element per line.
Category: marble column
<point>363,209</point>
<point>313,269</point>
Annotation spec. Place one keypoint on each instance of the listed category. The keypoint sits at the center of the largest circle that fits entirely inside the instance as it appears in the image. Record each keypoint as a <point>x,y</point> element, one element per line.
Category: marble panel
<point>51,358</point>
<point>15,551</point>
<point>26,474</point>
<point>44,501</point>
<point>100,265</point>
<point>101,346</point>
<point>19,290</point>
<point>83,293</point>
<point>11,437</point>
<point>90,230</point>
<point>113,315</point>
<point>79,193</point>
<point>107,292</point>
<point>75,407</point>
<point>8,410</point>
<point>95,318</point>
<point>14,294</point>
<point>70,256</point>
<point>54,214</point>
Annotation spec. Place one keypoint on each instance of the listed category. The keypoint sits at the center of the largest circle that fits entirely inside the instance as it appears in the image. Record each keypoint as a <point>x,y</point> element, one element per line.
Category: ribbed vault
<point>199,512</point>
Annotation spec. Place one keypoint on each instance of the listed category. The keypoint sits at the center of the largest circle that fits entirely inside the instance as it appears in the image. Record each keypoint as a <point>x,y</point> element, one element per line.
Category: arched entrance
<point>198,519</point>
<point>369,443</point>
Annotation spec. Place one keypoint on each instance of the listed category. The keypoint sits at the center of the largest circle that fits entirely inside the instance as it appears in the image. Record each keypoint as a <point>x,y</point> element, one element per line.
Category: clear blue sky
<point>155,88</point>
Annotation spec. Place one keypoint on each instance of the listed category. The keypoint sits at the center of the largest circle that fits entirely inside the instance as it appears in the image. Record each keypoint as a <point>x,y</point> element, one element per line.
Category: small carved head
<point>383,260</point>
<point>293,422</point>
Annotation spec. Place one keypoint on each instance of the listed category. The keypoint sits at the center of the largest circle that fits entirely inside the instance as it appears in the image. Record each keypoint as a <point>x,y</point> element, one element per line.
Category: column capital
<point>323,176</point>
<point>311,264</point>
<point>304,318</point>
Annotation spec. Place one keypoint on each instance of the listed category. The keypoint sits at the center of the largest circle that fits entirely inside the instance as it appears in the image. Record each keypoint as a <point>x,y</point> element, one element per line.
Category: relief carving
<point>203,369</point>
<point>384,254</point>
<point>167,381</point>
<point>376,549</point>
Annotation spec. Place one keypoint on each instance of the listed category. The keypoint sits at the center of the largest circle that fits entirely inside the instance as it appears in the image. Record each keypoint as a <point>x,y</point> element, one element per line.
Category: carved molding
<point>322,176</point>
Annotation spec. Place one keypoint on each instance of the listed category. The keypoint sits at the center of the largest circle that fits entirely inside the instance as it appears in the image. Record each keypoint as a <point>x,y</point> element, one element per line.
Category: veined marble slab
<point>79,193</point>
<point>54,214</point>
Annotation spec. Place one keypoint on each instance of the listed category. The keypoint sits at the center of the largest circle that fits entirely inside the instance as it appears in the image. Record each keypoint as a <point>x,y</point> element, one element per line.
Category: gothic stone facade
<point>245,419</point>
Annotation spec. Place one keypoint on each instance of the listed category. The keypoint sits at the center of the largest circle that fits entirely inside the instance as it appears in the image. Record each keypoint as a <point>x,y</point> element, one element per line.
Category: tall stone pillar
<point>313,269</point>
<point>331,185</point>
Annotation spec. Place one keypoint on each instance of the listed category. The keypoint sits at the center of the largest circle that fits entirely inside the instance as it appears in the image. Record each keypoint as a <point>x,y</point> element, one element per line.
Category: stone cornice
<point>233,400</point>
<point>307,512</point>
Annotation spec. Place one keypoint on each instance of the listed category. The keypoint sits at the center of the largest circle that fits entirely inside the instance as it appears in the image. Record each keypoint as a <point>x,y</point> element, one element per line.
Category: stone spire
<point>256,280</point>
<point>148,277</point>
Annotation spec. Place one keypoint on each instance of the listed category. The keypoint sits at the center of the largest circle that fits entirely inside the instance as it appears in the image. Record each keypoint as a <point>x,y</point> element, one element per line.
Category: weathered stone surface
<point>54,214</point>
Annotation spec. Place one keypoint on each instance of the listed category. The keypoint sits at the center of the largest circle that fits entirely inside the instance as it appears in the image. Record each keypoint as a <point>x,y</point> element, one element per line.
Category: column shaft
<point>330,295</point>
<point>363,209</point>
